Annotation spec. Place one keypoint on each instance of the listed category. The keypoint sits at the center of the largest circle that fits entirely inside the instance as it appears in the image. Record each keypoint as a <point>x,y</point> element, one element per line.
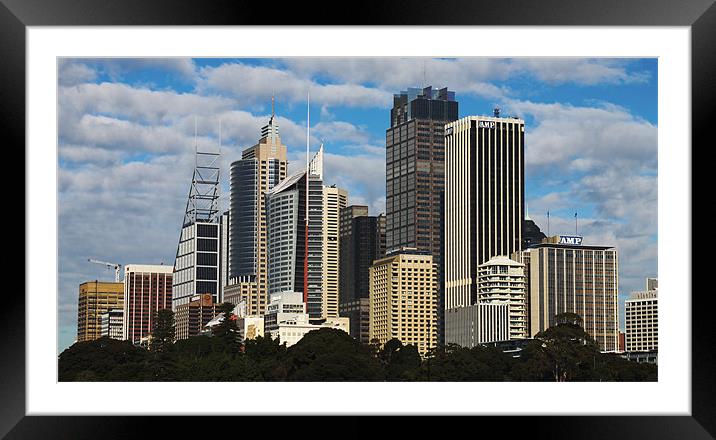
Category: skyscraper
<point>573,278</point>
<point>334,199</point>
<point>484,199</point>
<point>403,299</point>
<point>415,167</point>
<point>362,241</point>
<point>147,289</point>
<point>95,299</point>
<point>286,238</point>
<point>531,233</point>
<point>197,266</point>
<point>261,167</point>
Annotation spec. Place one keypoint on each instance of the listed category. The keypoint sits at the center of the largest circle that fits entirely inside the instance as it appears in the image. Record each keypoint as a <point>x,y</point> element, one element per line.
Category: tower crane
<point>116,267</point>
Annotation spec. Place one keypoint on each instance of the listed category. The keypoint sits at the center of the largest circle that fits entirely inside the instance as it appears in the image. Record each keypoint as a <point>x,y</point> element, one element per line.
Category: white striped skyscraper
<point>484,199</point>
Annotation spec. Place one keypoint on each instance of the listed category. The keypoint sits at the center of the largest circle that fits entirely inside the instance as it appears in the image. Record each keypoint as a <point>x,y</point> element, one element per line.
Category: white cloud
<point>71,73</point>
<point>586,137</point>
<point>139,104</point>
<point>464,75</point>
<point>338,131</point>
<point>253,84</point>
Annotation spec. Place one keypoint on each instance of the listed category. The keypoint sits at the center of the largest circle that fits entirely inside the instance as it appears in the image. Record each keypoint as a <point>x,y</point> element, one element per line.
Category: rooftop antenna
<point>425,82</point>
<point>575,224</point>
<point>496,111</point>
<point>547,223</point>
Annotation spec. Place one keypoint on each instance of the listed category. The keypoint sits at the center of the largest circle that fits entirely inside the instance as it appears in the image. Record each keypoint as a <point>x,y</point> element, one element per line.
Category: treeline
<point>561,353</point>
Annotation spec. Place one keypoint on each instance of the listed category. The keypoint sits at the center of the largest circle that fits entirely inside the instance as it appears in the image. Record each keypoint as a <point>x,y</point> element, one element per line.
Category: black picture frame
<point>700,15</point>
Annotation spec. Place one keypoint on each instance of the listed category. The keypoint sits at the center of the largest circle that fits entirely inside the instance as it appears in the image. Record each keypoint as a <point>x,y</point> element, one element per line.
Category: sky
<point>126,143</point>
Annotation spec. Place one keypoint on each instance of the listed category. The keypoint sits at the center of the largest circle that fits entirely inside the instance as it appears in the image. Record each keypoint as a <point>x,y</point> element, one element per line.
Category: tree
<point>401,362</point>
<point>329,354</point>
<point>227,330</point>
<point>163,331</point>
<point>568,351</point>
<point>103,359</point>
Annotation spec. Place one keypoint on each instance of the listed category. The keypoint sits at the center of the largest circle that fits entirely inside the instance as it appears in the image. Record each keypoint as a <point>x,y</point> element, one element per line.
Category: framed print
<point>434,210</point>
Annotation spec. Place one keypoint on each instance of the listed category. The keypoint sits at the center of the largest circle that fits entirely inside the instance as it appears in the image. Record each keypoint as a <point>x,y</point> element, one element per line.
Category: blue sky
<point>126,133</point>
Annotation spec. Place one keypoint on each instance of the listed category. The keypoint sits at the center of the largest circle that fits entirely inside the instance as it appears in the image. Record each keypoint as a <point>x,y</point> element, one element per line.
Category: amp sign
<point>570,239</point>
<point>486,124</point>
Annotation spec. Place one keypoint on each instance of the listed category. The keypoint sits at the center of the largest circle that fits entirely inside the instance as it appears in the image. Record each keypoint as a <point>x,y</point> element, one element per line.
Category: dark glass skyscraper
<point>415,168</point>
<point>362,241</point>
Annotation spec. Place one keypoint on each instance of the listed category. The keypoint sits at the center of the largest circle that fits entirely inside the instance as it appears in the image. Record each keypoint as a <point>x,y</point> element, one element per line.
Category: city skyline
<point>137,115</point>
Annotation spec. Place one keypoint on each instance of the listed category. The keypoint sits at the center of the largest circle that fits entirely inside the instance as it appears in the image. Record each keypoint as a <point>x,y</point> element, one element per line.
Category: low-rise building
<point>286,319</point>
<point>477,324</point>
<point>96,298</point>
<point>111,324</point>
<point>191,318</point>
<point>642,319</point>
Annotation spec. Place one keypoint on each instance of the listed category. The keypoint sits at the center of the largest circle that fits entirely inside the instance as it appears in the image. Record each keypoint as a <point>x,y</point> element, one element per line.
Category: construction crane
<point>116,267</point>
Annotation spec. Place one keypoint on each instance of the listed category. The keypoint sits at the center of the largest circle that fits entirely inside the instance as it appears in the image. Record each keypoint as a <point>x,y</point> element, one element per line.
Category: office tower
<point>403,299</point>
<point>572,278</point>
<point>502,281</point>
<point>197,266</point>
<point>415,172</point>
<point>147,289</point>
<point>642,319</point>
<point>112,323</point>
<point>96,298</point>
<point>260,168</point>
<point>484,199</point>
<point>286,245</point>
<point>224,251</point>
<point>334,199</point>
<point>477,324</point>
<point>192,316</point>
<point>531,233</point>
<point>362,241</point>
<point>286,318</point>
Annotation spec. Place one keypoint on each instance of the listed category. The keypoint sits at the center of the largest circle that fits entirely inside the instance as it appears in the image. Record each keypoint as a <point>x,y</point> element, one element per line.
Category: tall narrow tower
<point>260,168</point>
<point>197,265</point>
<point>484,199</point>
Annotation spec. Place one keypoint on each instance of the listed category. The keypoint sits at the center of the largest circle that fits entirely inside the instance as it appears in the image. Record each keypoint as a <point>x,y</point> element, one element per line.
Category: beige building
<point>244,289</point>
<point>403,299</point>
<point>502,281</point>
<point>334,199</point>
<point>642,319</point>
<point>576,279</point>
<point>95,299</point>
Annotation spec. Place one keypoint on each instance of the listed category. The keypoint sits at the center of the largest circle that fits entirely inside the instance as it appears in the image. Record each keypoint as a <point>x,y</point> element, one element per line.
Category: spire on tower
<point>203,201</point>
